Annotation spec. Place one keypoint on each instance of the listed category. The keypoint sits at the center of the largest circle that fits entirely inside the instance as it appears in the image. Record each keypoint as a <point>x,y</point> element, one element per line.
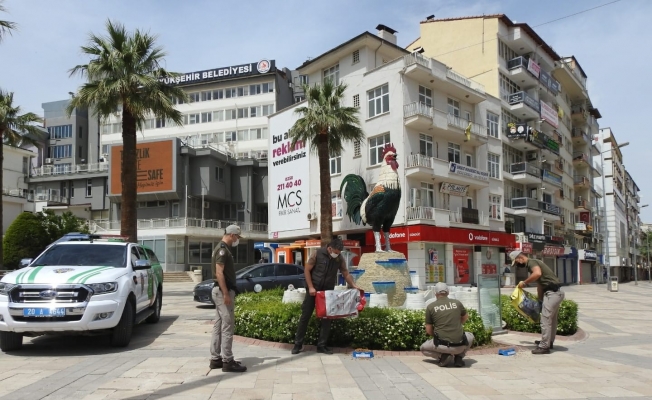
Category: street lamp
<point>604,206</point>
<point>638,236</point>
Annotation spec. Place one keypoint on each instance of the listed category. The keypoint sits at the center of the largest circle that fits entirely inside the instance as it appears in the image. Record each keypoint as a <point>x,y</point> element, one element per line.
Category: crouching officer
<point>444,322</point>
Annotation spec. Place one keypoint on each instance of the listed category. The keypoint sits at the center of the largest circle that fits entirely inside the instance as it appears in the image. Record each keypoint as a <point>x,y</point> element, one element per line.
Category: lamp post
<point>604,205</point>
<point>638,236</point>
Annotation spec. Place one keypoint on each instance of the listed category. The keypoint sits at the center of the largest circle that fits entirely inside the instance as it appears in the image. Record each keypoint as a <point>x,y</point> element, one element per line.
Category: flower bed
<point>566,322</point>
<point>263,316</point>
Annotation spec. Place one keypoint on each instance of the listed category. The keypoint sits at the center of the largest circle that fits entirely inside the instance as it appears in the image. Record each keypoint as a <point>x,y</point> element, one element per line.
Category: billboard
<point>289,177</point>
<point>155,167</point>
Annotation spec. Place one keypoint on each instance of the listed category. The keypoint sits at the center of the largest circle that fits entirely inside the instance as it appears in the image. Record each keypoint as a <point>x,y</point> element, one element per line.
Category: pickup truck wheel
<point>121,335</point>
<point>152,319</point>
<point>10,341</point>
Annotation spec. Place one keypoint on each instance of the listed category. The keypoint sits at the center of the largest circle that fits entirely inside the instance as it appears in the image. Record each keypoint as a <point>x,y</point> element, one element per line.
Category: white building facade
<point>450,221</point>
<point>16,197</point>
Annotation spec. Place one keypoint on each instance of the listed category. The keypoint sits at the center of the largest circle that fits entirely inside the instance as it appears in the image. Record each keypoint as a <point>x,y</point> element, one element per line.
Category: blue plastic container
<point>413,290</point>
<point>384,286</point>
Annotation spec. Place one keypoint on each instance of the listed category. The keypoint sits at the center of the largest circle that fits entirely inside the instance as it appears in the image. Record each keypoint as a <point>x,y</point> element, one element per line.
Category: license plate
<point>44,312</point>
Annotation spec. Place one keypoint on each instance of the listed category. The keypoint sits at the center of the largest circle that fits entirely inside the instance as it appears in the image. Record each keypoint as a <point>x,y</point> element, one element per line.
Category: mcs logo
<point>290,199</point>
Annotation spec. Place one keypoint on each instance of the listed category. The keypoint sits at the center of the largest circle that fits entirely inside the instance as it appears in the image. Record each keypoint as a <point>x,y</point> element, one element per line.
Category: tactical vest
<point>324,273</point>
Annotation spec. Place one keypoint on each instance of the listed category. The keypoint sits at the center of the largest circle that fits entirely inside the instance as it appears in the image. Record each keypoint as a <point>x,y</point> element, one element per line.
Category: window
<point>89,187</point>
<point>298,99</point>
<point>60,132</point>
<point>505,52</point>
<point>218,115</point>
<point>454,107</point>
<point>63,168</point>
<point>160,123</point>
<point>64,190</point>
<point>194,97</point>
<point>376,146</point>
<point>356,100</point>
<point>243,91</point>
<point>229,92</point>
<point>152,256</point>
<point>303,79</point>
<point>206,117</point>
<point>493,165</point>
<point>230,114</point>
<point>25,162</point>
<point>268,109</point>
<point>254,111</point>
<point>206,95</point>
<point>356,149</point>
<point>427,194</point>
<point>175,209</point>
<point>495,206</point>
<point>219,174</point>
<point>62,151</point>
<point>454,154</point>
<point>511,156</point>
<point>255,89</point>
<point>492,124</point>
<point>336,164</point>
<point>151,204</point>
<point>336,205</point>
<point>425,96</point>
<point>81,135</point>
<point>378,100</point>
<point>218,94</point>
<point>333,74</point>
<point>230,136</point>
<point>243,134</point>
<point>425,145</point>
<point>72,189</point>
<point>243,112</point>
<point>79,151</point>
<point>258,133</point>
<point>507,87</point>
<point>287,270</point>
<point>194,119</point>
<point>356,56</point>
<point>268,87</point>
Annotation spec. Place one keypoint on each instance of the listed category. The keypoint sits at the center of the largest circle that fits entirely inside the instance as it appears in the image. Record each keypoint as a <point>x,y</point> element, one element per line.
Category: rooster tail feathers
<point>354,191</point>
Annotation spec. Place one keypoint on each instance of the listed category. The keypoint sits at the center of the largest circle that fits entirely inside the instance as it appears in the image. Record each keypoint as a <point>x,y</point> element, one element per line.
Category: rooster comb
<point>389,147</point>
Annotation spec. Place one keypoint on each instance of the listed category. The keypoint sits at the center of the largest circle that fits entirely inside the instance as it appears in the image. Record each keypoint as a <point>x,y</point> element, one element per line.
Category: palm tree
<point>16,129</point>
<point>125,71</point>
<point>5,26</point>
<point>326,125</point>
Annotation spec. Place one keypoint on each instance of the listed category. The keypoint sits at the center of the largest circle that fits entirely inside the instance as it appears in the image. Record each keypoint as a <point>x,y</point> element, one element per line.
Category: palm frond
<point>6,27</point>
<point>17,128</point>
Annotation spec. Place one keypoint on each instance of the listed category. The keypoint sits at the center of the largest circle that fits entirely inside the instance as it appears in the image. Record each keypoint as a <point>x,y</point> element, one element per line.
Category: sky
<point>612,43</point>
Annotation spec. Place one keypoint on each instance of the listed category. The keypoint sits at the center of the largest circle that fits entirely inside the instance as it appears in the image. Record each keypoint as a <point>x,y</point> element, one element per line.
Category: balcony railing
<point>576,72</point>
<point>465,81</point>
<point>523,97</point>
<point>416,58</point>
<point>525,202</point>
<point>580,157</point>
<point>581,180</point>
<point>162,223</point>
<point>415,213</point>
<point>22,193</point>
<point>416,109</point>
<point>462,123</point>
<point>469,216</point>
<point>52,197</point>
<point>518,62</point>
<point>583,203</point>
<point>51,170</point>
<point>578,133</point>
<point>549,208</point>
<point>525,168</point>
<point>418,160</point>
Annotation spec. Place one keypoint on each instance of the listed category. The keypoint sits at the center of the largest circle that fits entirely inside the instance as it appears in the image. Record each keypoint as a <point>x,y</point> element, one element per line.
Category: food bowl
<point>412,290</point>
<point>383,287</point>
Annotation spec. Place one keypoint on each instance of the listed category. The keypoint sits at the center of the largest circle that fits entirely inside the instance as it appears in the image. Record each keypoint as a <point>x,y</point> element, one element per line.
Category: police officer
<point>444,322</point>
<point>223,294</point>
<point>549,292</point>
<point>321,273</point>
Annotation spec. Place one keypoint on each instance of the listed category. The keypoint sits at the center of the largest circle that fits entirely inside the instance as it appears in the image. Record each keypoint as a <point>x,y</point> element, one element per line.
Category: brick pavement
<point>170,360</point>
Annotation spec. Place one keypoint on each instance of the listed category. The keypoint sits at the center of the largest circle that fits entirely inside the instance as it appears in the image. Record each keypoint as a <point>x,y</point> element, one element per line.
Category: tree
<point>25,238</point>
<point>326,125</point>
<point>58,225</point>
<point>125,71</point>
<point>5,26</point>
<point>16,129</point>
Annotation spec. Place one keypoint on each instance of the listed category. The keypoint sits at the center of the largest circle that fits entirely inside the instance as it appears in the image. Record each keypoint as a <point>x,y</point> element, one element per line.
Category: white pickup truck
<point>82,287</point>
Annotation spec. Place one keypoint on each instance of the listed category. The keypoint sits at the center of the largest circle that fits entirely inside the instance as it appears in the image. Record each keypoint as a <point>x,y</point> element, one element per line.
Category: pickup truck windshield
<point>91,255</point>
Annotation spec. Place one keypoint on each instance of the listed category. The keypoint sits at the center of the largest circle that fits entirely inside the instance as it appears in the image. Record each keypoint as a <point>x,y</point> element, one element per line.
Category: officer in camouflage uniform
<point>223,294</point>
<point>444,322</point>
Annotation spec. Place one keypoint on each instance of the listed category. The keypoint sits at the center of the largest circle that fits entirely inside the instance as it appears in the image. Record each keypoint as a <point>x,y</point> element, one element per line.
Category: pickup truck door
<point>140,279</point>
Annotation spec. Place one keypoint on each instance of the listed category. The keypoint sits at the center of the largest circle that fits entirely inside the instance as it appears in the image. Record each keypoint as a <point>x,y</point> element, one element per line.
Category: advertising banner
<point>461,263</point>
<point>534,68</point>
<point>454,189</point>
<point>289,175</point>
<point>549,114</point>
<point>155,167</point>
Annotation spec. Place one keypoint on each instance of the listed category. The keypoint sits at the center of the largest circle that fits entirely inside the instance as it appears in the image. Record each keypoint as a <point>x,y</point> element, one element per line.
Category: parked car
<point>256,278</point>
<point>82,287</point>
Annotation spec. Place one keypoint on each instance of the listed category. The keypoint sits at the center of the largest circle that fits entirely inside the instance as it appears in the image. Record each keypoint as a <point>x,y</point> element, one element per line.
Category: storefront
<point>452,255</point>
<point>588,260</point>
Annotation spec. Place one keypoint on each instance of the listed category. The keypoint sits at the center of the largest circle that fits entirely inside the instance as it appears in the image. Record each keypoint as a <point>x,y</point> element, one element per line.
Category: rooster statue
<point>379,207</point>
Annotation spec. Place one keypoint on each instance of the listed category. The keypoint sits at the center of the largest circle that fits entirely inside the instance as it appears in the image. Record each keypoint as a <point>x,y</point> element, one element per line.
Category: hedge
<point>263,316</point>
<point>25,238</point>
<point>566,321</point>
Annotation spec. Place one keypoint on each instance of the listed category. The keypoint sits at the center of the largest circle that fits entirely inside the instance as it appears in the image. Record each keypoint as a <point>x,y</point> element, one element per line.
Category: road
<point>170,360</point>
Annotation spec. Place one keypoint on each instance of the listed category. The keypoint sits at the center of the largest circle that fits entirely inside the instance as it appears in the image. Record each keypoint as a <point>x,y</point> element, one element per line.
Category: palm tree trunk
<point>325,214</point>
<point>128,215</point>
<point>2,161</point>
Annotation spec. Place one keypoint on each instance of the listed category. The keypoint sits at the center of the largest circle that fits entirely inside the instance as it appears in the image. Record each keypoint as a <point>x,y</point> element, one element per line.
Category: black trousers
<point>307,308</point>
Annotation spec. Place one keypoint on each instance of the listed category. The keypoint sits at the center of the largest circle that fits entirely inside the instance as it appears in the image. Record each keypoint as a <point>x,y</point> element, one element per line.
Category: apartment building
<point>16,197</point>
<point>450,222</point>
<point>194,179</point>
<point>539,94</point>
<point>633,210</point>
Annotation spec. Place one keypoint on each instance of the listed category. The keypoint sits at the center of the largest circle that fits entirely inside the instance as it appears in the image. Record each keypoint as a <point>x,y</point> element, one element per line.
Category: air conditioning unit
<point>207,204</point>
<point>312,216</point>
<point>531,156</point>
<point>48,161</point>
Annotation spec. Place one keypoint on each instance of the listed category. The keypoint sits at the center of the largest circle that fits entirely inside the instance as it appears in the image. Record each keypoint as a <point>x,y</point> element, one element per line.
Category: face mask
<point>334,255</point>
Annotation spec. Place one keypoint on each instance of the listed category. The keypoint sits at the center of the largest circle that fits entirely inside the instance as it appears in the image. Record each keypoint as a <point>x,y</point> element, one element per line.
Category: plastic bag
<point>527,304</point>
<point>334,304</point>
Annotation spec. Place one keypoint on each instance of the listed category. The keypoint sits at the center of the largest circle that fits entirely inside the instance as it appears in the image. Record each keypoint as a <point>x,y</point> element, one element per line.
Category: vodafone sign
<point>429,233</point>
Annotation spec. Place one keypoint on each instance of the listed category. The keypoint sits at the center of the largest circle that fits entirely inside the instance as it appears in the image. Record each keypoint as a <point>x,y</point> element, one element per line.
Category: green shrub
<point>25,238</point>
<point>566,321</point>
<point>263,316</point>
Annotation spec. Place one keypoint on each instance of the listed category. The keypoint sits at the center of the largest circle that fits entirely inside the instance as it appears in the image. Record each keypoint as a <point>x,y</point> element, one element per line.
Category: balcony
<point>478,132</point>
<point>524,105</point>
<point>580,137</point>
<point>418,116</point>
<point>417,67</point>
<point>570,77</point>
<point>419,166</point>
<point>581,181</point>
<point>464,88</point>
<point>52,197</point>
<point>582,204</point>
<point>469,216</point>
<point>581,159</point>
<point>428,215</point>
<point>197,226</point>
<point>525,173</point>
<point>583,228</point>
<point>519,71</point>
<point>549,208</point>
<point>527,203</point>
<point>18,193</point>
<point>597,169</point>
<point>579,114</point>
<point>54,172</point>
